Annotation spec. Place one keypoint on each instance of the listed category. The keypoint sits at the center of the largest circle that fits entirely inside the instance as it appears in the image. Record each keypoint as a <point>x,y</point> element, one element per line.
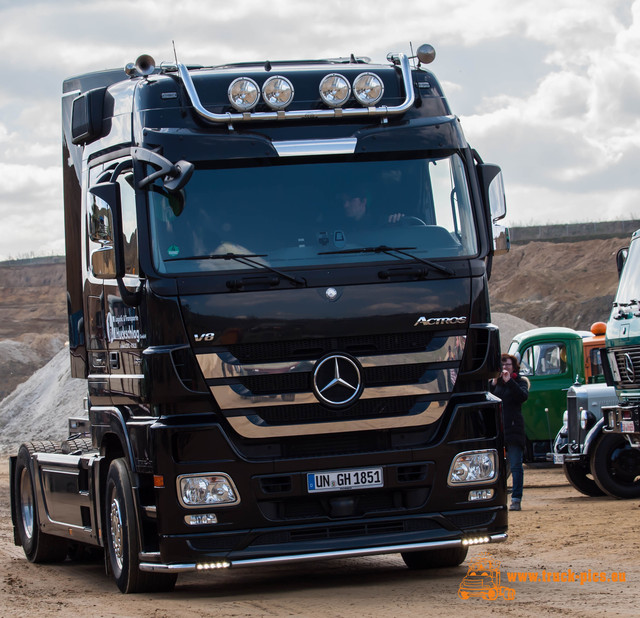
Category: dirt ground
<point>558,531</point>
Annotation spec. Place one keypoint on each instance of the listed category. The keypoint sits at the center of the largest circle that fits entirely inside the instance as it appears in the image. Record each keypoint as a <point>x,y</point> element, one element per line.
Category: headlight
<point>473,467</point>
<point>368,89</point>
<point>243,94</point>
<point>207,490</point>
<point>335,90</point>
<point>277,92</point>
<point>565,418</point>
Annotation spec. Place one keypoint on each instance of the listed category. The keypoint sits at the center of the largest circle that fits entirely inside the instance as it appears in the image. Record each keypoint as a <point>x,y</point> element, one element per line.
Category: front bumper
<point>150,565</point>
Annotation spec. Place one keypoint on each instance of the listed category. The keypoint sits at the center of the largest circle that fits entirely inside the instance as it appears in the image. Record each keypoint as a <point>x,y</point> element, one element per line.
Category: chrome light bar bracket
<point>382,110</point>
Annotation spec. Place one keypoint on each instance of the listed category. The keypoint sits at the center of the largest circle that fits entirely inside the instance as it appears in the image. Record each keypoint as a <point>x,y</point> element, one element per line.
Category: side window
<point>526,362</point>
<point>129,222</point>
<point>596,362</point>
<point>544,359</point>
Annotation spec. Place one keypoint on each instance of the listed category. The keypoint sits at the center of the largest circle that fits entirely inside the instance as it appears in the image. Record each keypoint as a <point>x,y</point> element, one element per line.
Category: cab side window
<point>544,359</point>
<point>129,223</point>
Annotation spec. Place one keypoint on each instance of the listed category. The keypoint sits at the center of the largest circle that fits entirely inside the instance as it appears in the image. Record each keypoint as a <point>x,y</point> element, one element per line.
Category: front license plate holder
<point>343,480</point>
<point>627,427</point>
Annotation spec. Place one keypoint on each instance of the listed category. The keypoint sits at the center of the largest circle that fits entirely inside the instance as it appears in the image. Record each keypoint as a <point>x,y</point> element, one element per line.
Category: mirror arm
<point>131,299</point>
<point>175,175</point>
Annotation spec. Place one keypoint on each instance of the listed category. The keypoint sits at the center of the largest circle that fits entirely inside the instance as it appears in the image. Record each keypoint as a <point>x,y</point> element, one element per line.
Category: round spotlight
<point>243,94</point>
<point>368,89</point>
<point>277,92</point>
<point>335,90</point>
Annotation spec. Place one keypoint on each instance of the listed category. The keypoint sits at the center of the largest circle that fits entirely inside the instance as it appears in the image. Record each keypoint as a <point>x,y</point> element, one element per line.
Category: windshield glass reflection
<point>306,214</point>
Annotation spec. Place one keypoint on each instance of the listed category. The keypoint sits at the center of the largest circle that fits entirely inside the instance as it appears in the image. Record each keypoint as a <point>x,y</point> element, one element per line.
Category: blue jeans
<point>514,457</point>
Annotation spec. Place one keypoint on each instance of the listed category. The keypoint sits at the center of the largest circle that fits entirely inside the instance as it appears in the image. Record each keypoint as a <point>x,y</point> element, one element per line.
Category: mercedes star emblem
<point>336,380</point>
<point>629,368</point>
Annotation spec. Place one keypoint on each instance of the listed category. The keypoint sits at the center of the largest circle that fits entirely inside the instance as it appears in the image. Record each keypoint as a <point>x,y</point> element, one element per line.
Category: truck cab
<point>552,359</point>
<point>277,282</point>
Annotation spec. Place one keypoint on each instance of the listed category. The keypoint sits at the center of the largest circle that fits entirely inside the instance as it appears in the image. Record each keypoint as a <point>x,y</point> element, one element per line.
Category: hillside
<point>557,284</point>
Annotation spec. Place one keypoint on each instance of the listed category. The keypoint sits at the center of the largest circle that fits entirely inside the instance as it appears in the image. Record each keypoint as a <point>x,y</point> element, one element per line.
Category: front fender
<point>592,436</point>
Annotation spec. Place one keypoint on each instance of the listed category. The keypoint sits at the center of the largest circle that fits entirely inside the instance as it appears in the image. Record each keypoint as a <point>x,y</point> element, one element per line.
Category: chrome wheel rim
<point>117,549</point>
<point>26,503</point>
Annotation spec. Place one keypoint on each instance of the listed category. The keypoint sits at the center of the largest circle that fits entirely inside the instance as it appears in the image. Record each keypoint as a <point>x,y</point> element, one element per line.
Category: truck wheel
<point>579,475</point>
<point>38,546</point>
<point>435,558</point>
<point>615,466</point>
<point>122,536</point>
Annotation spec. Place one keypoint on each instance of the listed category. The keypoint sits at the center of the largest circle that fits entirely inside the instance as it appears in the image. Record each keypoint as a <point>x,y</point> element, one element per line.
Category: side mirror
<point>103,263</point>
<point>105,227</point>
<point>492,186</point>
<point>621,258</point>
<point>87,115</point>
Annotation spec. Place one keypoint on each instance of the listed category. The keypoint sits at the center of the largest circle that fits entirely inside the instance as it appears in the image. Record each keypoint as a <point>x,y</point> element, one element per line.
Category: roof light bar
<point>280,93</point>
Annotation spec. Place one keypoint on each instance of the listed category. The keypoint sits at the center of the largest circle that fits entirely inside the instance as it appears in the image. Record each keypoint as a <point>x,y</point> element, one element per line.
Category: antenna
<point>412,56</point>
<point>175,54</point>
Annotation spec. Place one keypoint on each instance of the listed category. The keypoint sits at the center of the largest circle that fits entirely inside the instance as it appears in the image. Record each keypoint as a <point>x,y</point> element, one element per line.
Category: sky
<point>547,89</point>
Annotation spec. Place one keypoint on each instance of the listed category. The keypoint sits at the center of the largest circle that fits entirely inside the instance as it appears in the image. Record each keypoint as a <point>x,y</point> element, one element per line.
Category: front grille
<point>471,520</point>
<point>310,349</point>
<point>326,533</point>
<point>268,384</point>
<point>315,413</point>
<point>573,421</point>
<point>628,363</point>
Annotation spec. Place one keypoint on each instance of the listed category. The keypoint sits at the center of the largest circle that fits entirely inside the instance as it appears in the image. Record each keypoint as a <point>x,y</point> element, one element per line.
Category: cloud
<point>548,88</point>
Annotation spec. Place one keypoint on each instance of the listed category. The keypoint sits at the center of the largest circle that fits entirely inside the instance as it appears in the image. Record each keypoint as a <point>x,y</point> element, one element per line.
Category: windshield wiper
<point>392,251</point>
<point>242,258</point>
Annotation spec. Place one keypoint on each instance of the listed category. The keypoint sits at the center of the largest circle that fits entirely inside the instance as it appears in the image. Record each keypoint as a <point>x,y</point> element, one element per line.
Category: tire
<point>435,558</point>
<point>579,475</point>
<point>38,546</point>
<point>122,537</point>
<point>615,466</point>
<point>77,445</point>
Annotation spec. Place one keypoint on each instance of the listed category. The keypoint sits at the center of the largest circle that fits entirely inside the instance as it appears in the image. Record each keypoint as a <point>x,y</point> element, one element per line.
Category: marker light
<point>368,89</point>
<point>243,94</point>
<point>204,519</point>
<point>277,92</point>
<point>335,90</point>
<point>480,494</point>
<point>207,490</point>
<point>476,540</point>
<point>473,467</point>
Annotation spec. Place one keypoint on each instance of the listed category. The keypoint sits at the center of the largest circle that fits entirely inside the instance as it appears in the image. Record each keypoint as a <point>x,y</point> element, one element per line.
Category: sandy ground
<point>558,530</point>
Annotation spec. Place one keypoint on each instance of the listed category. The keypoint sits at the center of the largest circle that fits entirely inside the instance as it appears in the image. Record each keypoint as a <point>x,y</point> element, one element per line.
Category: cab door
<point>550,368</point>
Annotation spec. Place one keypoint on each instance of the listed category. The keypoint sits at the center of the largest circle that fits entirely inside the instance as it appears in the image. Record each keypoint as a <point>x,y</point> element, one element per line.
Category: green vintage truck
<point>554,359</point>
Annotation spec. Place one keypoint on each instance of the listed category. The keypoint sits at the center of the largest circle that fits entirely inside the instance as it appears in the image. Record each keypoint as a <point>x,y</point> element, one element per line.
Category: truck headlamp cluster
<point>277,92</point>
<point>473,467</point>
<point>207,490</point>
<point>368,89</point>
<point>335,90</point>
<point>243,94</point>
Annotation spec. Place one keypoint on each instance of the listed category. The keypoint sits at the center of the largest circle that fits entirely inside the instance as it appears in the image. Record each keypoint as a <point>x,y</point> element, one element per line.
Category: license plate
<point>337,480</point>
<point>627,427</point>
<point>558,458</point>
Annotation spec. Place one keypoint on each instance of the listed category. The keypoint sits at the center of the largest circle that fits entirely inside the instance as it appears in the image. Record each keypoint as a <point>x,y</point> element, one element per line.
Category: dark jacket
<point>513,394</point>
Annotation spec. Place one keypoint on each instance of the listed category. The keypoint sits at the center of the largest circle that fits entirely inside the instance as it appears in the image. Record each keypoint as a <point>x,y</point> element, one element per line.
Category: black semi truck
<point>277,294</point>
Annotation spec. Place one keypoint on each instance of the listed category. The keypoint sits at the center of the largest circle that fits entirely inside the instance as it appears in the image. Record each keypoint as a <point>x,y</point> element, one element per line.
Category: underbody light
<point>477,540</point>
<point>207,566</point>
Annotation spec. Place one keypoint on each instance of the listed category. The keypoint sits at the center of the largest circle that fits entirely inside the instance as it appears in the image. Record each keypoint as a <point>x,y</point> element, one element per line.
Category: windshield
<point>313,214</point>
<point>629,286</point>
